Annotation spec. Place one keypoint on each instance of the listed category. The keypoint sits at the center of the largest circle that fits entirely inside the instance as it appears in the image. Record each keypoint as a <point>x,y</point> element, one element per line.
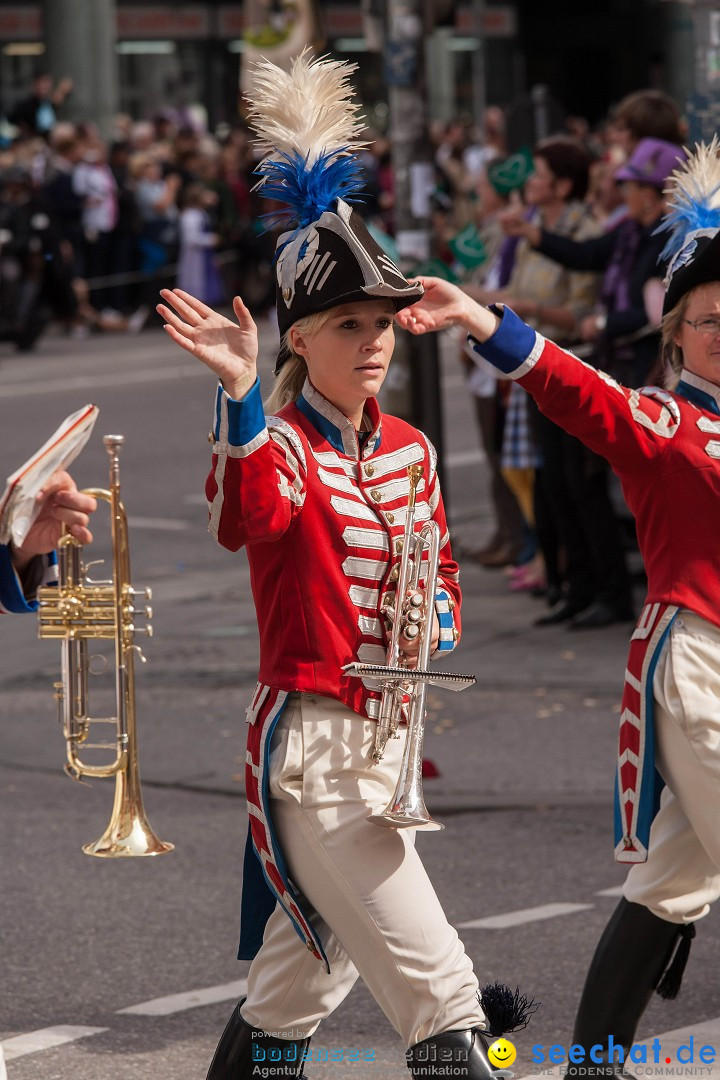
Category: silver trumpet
<point>403,687</point>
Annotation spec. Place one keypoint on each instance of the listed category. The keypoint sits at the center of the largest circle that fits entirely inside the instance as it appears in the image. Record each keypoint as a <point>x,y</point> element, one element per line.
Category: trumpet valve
<point>146,593</point>
<point>147,611</point>
<point>411,631</point>
<point>70,607</point>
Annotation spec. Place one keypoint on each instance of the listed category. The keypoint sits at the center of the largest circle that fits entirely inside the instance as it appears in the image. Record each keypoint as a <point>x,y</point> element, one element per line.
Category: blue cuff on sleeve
<point>238,423</point>
<point>513,348</point>
<point>12,598</point>
<point>446,621</point>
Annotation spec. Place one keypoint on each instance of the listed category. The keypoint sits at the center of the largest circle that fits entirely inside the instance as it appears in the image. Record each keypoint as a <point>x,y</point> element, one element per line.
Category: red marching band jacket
<point>320,511</point>
<point>665,449</point>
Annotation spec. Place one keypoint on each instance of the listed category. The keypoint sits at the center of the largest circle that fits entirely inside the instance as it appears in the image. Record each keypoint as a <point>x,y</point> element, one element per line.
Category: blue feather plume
<point>694,199</point>
<point>688,219</point>
<point>307,190</point>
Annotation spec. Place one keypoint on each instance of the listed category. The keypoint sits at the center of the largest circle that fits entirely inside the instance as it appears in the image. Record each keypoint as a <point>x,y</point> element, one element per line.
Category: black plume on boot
<point>505,1010</point>
<point>458,1054</point>
<point>243,1051</point>
<point>463,1054</point>
<point>637,953</point>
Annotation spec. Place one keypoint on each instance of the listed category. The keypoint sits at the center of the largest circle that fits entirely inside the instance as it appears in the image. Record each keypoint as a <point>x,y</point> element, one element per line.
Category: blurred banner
<point>278,30</point>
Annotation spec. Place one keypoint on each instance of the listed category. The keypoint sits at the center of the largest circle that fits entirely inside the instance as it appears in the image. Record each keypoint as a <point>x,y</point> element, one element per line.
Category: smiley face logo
<point>501,1053</point>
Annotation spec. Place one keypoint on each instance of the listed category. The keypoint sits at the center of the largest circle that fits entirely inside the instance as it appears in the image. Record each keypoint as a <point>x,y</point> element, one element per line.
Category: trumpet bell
<point>398,818</point>
<point>128,832</point>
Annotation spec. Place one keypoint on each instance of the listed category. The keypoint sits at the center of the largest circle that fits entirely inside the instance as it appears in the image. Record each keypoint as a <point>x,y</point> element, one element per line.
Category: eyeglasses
<point>704,326</point>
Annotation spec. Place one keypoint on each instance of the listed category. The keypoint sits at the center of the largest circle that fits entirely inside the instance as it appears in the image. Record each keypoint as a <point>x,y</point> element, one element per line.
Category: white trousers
<point>681,877</point>
<point>374,907</point>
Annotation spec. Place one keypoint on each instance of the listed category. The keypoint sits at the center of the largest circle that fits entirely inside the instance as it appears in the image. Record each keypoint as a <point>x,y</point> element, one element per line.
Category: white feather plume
<point>308,110</point>
<point>693,200</point>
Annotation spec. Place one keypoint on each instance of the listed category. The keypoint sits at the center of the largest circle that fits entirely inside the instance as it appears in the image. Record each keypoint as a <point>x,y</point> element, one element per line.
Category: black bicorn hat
<point>307,127</point>
<point>693,221</point>
<point>335,261</point>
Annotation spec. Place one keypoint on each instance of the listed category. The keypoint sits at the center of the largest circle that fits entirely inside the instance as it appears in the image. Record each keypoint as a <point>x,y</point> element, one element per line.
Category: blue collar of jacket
<point>334,426</point>
<point>699,391</point>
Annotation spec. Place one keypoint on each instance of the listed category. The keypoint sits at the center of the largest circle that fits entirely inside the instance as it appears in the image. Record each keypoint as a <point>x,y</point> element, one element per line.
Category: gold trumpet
<point>403,688</point>
<point>74,612</point>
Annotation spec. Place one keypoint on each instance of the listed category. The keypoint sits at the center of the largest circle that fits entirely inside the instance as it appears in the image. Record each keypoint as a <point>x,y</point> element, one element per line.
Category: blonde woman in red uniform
<point>315,486</point>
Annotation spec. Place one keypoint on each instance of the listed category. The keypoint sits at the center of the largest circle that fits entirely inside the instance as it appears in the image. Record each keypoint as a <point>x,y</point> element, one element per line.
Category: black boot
<point>632,959</point>
<point>244,1053</point>
<point>459,1054</point>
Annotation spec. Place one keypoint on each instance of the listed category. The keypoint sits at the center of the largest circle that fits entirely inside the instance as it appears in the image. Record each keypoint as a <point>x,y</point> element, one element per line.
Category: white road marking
<point>43,363</point>
<point>523,915</point>
<point>617,890</point>
<point>175,1003</point>
<point>705,1033</point>
<point>161,524</point>
<point>100,378</point>
<point>45,1039</point>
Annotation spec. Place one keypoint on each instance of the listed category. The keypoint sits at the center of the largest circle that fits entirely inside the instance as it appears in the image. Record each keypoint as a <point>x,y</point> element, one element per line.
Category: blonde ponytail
<point>288,384</point>
<point>291,379</point>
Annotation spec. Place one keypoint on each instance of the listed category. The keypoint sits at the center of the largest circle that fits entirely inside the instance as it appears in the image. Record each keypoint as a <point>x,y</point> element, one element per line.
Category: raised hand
<point>61,504</point>
<point>443,305</point>
<point>514,223</point>
<point>229,349</point>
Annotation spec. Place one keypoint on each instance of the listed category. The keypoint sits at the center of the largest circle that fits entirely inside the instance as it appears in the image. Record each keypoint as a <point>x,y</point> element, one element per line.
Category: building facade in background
<point>588,55</point>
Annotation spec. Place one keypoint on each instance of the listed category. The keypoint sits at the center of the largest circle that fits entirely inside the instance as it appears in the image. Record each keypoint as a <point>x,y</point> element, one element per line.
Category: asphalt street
<point>125,969</point>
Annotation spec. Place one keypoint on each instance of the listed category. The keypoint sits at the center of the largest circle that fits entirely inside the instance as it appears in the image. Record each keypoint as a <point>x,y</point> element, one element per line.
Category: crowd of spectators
<point>563,231</point>
<point>570,239</point>
<point>91,228</point>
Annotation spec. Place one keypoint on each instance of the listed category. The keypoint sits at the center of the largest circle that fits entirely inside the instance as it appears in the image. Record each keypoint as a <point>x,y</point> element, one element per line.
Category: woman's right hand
<point>227,348</point>
<point>443,305</point>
